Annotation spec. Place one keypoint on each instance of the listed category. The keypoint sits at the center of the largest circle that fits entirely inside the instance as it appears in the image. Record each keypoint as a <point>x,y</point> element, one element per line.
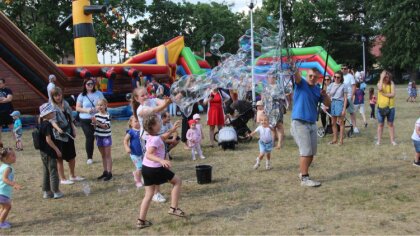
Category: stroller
<point>240,126</point>
<point>322,131</point>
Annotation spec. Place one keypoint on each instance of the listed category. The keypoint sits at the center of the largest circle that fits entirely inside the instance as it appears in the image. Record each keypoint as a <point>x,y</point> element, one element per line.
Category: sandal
<point>332,142</point>
<point>176,212</point>
<point>141,224</point>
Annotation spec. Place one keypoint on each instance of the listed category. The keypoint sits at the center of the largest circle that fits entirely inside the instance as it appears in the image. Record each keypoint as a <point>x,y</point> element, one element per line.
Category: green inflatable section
<point>304,51</point>
<point>198,57</point>
<point>191,61</point>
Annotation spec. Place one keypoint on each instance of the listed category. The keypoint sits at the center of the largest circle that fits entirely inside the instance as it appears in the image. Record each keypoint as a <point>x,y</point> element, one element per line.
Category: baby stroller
<point>240,126</point>
<point>322,131</point>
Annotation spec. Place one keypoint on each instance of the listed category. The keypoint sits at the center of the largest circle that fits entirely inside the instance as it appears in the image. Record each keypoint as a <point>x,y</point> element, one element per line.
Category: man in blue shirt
<point>306,97</point>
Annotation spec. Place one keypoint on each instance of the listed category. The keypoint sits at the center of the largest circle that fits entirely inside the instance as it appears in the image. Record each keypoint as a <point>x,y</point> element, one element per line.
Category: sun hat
<point>196,117</point>
<point>260,103</point>
<point>45,109</point>
<point>190,122</point>
<point>51,77</point>
<point>15,113</point>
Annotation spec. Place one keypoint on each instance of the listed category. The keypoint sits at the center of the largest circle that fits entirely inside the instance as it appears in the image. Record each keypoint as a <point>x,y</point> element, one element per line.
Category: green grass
<point>366,189</point>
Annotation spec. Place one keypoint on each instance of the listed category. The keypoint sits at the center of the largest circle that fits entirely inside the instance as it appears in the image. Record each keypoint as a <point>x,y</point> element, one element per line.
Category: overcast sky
<point>239,6</point>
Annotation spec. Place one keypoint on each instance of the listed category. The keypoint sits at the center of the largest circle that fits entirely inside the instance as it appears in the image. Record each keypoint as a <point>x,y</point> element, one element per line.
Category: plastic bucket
<point>203,174</point>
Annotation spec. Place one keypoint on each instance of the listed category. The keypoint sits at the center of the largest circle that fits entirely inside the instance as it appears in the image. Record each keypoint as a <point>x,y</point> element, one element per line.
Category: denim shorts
<point>416,145</point>
<point>390,117</point>
<point>103,141</point>
<point>4,199</point>
<point>337,107</point>
<point>265,147</point>
<point>137,161</point>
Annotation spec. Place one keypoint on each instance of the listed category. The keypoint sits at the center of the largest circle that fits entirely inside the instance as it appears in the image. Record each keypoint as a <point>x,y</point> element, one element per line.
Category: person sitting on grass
<point>156,170</point>
<point>265,143</point>
<point>7,184</point>
<point>133,147</point>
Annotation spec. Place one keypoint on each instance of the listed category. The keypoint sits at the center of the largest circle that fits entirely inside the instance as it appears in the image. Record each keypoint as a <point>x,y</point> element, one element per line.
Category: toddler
<point>260,111</point>
<point>17,130</point>
<point>156,170</point>
<point>102,123</point>
<point>7,173</point>
<point>372,103</point>
<point>265,143</point>
<point>359,102</point>
<point>416,141</point>
<point>194,139</point>
<point>133,147</point>
<point>49,153</point>
<point>172,140</point>
<point>197,119</point>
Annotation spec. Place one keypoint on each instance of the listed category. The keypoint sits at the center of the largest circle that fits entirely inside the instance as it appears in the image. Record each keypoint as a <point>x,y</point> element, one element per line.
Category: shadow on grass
<point>380,171</point>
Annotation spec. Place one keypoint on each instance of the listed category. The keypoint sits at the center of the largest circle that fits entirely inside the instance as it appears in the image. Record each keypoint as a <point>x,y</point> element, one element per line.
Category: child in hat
<point>260,111</point>
<point>17,130</point>
<point>194,139</point>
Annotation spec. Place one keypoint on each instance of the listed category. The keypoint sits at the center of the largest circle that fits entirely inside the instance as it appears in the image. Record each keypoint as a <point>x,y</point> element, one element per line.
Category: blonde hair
<point>134,103</point>
<point>103,101</point>
<point>131,120</point>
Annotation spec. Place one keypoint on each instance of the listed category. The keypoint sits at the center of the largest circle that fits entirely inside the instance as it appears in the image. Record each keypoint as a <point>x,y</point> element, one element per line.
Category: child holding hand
<point>7,184</point>
<point>265,143</point>
<point>156,170</point>
<point>133,147</point>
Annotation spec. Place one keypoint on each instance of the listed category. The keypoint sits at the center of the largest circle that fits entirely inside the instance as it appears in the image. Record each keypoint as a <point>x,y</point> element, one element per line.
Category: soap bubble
<point>216,43</point>
<point>86,188</point>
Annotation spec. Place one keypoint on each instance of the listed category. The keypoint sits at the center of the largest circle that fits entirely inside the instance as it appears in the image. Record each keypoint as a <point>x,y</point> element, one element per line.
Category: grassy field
<point>366,189</point>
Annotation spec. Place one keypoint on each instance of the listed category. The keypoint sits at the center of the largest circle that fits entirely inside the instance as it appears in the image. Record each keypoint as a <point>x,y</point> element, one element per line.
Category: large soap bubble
<point>216,42</point>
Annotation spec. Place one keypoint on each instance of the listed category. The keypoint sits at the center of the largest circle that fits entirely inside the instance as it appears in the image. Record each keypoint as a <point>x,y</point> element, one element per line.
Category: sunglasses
<point>311,76</point>
<point>89,84</point>
<point>337,77</point>
<point>344,68</point>
<point>327,79</point>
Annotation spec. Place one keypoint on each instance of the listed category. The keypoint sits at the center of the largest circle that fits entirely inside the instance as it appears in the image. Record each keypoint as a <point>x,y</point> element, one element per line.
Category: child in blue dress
<point>132,145</point>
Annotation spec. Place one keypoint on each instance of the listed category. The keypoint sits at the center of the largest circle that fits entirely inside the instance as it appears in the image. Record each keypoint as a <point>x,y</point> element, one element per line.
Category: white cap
<point>196,116</point>
<point>45,109</point>
<point>51,77</point>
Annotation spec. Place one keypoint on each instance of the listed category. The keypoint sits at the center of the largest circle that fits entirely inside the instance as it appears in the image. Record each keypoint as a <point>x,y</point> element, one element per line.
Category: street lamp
<point>364,57</point>
<point>251,7</point>
<point>203,43</point>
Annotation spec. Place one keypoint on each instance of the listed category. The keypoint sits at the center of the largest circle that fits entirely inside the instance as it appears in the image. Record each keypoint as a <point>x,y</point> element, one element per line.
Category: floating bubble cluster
<point>234,72</point>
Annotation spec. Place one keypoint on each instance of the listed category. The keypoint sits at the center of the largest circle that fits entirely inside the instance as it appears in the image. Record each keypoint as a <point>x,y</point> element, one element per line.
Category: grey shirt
<point>337,91</point>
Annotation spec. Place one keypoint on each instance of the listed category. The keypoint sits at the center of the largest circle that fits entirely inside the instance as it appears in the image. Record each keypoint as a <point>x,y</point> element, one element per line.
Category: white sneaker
<point>377,143</point>
<point>307,182</point>
<point>193,159</point>
<point>159,198</point>
<point>89,161</point>
<point>257,164</point>
<point>356,130</point>
<point>58,195</point>
<point>268,166</point>
<point>394,143</point>
<point>66,182</point>
<point>202,157</point>
<point>77,178</point>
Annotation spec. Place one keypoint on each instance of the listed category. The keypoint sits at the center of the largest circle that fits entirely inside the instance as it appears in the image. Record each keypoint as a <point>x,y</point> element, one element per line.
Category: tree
<point>398,21</point>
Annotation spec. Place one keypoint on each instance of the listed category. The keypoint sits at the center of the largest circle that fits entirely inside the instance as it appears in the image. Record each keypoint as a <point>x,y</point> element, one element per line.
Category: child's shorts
<point>137,160</point>
<point>18,137</point>
<point>4,199</point>
<point>156,176</point>
<point>265,147</point>
<point>416,145</point>
<point>104,141</point>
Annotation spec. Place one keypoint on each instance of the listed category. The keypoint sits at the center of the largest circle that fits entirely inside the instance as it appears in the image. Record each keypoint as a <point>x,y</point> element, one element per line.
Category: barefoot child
<point>17,130</point>
<point>156,170</point>
<point>265,143</point>
<point>7,173</point>
<point>102,123</point>
<point>133,147</point>
<point>260,111</point>
<point>194,139</point>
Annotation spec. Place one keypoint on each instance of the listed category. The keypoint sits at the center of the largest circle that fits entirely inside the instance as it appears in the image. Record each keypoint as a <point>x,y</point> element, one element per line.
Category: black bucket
<point>203,174</point>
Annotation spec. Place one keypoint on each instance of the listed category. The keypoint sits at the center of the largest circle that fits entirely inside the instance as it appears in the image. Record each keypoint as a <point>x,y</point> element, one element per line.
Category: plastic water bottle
<point>86,188</point>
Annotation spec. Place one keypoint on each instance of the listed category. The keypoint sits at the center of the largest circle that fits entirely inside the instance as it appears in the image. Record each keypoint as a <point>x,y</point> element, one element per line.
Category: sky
<point>239,6</point>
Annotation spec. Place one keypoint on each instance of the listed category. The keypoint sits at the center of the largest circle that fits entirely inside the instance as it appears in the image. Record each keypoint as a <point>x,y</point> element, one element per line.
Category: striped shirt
<point>103,119</point>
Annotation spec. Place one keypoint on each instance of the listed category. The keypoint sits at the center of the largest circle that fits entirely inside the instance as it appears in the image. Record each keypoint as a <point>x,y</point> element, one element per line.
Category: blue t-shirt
<point>86,102</point>
<point>359,97</point>
<point>306,100</point>
<point>17,123</point>
<point>135,144</point>
<point>5,189</point>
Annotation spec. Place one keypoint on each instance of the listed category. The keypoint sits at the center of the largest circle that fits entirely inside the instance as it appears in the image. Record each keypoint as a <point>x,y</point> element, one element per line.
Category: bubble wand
<point>323,79</point>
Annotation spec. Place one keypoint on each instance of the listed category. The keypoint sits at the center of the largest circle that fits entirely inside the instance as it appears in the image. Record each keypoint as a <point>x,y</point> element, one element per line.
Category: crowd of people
<point>151,135</point>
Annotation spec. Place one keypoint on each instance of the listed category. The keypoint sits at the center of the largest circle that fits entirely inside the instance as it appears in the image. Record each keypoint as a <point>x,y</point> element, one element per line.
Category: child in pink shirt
<point>156,170</point>
<point>194,139</point>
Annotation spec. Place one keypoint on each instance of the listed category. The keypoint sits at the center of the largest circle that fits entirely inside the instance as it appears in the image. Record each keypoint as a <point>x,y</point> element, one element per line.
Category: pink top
<point>157,143</point>
<point>373,100</point>
<point>194,137</point>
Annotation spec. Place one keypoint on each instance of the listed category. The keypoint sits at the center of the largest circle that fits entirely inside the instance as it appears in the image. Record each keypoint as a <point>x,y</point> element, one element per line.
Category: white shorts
<point>360,108</point>
<point>305,135</point>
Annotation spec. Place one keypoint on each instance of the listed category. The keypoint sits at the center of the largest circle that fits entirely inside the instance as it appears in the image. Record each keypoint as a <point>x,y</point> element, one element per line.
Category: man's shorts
<point>350,108</point>
<point>305,135</point>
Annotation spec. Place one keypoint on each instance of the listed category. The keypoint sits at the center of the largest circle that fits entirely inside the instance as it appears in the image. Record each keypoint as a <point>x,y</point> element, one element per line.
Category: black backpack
<point>35,138</point>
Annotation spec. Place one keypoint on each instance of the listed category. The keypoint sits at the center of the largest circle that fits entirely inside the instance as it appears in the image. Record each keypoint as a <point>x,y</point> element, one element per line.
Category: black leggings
<point>88,130</point>
<point>372,111</point>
